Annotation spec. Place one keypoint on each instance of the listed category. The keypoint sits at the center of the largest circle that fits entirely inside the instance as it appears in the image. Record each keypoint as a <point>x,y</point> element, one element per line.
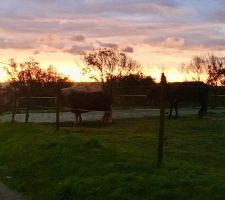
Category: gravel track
<point>117,114</point>
<point>8,194</point>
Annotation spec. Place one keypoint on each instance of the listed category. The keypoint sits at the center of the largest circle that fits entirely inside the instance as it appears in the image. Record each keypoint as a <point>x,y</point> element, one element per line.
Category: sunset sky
<point>159,34</point>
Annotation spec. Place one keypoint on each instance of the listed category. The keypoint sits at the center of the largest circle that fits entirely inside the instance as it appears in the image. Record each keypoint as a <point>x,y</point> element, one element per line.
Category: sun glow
<point>75,74</point>
<point>3,75</point>
<point>171,75</point>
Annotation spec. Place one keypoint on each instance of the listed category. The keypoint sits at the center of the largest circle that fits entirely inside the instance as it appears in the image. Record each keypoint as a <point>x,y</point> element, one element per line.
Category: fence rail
<point>130,95</point>
<point>28,107</point>
<point>37,97</point>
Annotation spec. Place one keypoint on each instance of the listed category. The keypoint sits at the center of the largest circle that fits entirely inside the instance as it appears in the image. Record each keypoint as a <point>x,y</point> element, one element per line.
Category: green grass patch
<point>94,161</point>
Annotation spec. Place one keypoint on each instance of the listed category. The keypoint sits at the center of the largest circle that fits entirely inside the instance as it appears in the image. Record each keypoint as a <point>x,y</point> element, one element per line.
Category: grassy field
<point>115,162</point>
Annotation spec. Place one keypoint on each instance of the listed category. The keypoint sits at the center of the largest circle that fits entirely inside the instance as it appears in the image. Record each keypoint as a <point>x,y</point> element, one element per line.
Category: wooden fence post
<point>162,117</point>
<point>57,110</point>
<point>27,110</point>
<point>14,110</point>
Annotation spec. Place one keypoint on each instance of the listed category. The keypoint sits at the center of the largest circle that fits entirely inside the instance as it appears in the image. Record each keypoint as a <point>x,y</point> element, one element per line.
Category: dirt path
<point>8,194</point>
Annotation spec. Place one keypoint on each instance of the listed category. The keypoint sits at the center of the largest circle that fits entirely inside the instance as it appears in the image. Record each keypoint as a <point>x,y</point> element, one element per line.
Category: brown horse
<point>80,102</point>
<point>182,92</point>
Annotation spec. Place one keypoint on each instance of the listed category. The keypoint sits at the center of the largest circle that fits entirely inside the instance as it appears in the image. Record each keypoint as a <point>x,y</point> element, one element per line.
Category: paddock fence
<point>122,103</point>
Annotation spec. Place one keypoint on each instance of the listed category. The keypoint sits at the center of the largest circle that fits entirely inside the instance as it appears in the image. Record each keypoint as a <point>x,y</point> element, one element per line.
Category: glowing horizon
<point>73,70</point>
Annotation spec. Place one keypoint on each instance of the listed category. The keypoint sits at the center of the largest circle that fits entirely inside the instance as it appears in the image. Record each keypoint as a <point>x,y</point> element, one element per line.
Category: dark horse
<point>182,92</point>
<point>81,102</point>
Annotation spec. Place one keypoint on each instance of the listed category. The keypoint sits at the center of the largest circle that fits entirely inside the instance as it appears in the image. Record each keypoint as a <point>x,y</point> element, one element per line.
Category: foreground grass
<point>115,162</point>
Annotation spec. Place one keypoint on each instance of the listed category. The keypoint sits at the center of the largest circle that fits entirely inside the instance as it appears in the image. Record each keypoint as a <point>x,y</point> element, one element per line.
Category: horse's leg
<point>176,109</point>
<point>200,113</point>
<point>104,118</point>
<point>205,108</point>
<point>110,117</point>
<point>80,117</point>
<point>107,118</point>
<point>77,118</point>
<point>171,110</point>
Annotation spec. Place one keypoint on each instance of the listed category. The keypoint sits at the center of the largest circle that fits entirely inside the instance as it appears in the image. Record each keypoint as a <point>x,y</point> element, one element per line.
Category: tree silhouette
<point>209,68</point>
<point>104,65</point>
<point>196,69</point>
<point>216,70</point>
<point>28,78</point>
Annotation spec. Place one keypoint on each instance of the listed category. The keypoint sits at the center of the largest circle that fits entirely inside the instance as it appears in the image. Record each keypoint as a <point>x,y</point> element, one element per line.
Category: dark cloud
<point>16,44</point>
<point>78,38</point>
<point>108,45</point>
<point>174,42</point>
<point>128,50</point>
<point>79,50</point>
